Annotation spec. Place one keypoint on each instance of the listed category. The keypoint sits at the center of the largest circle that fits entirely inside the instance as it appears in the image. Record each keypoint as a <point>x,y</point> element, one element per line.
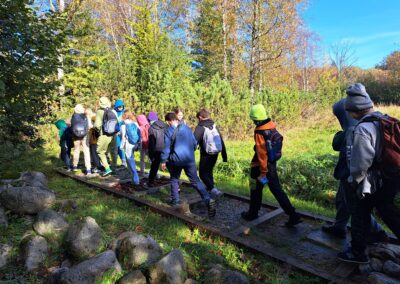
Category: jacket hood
<point>207,123</point>
<point>60,124</point>
<point>119,103</point>
<point>105,102</point>
<point>142,120</point>
<point>342,115</point>
<point>269,124</point>
<point>159,125</point>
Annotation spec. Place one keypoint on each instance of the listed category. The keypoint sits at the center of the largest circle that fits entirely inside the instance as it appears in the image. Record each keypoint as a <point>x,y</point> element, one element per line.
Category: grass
<point>305,171</point>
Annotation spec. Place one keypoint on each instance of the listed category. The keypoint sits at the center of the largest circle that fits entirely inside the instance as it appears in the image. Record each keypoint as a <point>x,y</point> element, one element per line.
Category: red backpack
<point>145,136</point>
<point>389,159</point>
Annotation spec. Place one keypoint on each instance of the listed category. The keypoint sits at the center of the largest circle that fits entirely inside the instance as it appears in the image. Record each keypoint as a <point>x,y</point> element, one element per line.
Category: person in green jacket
<point>104,141</point>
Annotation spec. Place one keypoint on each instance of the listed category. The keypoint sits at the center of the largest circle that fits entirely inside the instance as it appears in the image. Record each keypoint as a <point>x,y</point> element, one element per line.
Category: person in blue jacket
<point>178,155</point>
<point>119,107</point>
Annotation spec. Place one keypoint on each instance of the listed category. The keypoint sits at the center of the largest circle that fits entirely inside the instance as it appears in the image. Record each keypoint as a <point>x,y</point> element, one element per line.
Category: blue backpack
<point>133,133</point>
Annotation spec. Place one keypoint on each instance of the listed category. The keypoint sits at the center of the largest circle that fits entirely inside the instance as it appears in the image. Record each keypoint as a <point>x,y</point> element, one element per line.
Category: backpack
<point>110,122</point>
<point>79,125</point>
<point>389,131</point>
<point>212,142</point>
<point>132,133</point>
<point>274,141</point>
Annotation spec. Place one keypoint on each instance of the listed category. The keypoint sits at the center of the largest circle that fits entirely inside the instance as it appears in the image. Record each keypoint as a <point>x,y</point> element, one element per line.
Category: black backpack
<point>274,141</point>
<point>110,122</point>
<point>79,125</point>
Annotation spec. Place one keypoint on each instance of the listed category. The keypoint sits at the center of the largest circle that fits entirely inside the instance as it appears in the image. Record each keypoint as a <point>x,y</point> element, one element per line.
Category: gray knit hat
<point>357,98</point>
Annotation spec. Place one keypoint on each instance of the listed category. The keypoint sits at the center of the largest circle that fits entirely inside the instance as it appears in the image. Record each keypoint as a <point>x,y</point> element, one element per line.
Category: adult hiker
<point>268,146</point>
<point>211,144</point>
<point>178,155</point>
<point>341,173</point>
<point>156,145</point>
<point>119,108</point>
<point>374,164</point>
<point>93,135</point>
<point>106,124</point>
<point>130,142</point>
<point>66,144</point>
<point>144,130</point>
<point>80,128</point>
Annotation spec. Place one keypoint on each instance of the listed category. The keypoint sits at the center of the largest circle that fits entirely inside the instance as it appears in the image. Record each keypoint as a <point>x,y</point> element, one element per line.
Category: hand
<point>163,167</point>
<point>263,180</point>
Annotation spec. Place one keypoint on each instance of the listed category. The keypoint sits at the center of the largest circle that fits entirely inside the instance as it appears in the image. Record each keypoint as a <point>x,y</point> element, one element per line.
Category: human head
<point>128,115</point>
<point>119,105</point>
<point>358,103</point>
<point>104,102</point>
<point>171,119</point>
<point>152,116</point>
<point>258,113</point>
<point>203,114</point>
<point>79,109</point>
<point>179,113</point>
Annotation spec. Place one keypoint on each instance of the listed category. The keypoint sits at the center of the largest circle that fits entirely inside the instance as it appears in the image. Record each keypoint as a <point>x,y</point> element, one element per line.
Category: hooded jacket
<point>104,103</point>
<point>199,134</point>
<point>64,132</point>
<point>179,151</point>
<point>364,146</point>
<point>119,103</point>
<point>156,138</point>
<point>260,158</point>
<point>144,126</point>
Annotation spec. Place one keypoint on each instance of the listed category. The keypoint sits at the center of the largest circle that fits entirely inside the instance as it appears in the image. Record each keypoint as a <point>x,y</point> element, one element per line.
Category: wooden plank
<point>267,249</point>
<point>263,218</point>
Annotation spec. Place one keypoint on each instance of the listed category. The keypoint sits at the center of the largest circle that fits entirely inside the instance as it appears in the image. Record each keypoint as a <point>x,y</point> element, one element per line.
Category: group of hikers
<point>367,168</point>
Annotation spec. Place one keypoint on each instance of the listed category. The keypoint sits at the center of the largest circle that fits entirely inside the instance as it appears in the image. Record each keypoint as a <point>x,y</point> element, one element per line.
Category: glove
<point>263,180</point>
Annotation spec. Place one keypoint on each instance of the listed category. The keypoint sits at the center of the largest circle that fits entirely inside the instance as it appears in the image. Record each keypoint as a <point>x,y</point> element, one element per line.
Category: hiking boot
<point>211,208</point>
<point>334,231</point>
<point>174,203</point>
<point>248,216</point>
<point>216,193</point>
<point>350,256</point>
<point>106,172</point>
<point>294,219</point>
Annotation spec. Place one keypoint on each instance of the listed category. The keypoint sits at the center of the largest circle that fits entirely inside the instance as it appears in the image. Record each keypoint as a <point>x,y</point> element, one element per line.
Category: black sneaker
<point>211,208</point>
<point>294,219</point>
<point>334,231</point>
<point>349,256</point>
<point>249,216</point>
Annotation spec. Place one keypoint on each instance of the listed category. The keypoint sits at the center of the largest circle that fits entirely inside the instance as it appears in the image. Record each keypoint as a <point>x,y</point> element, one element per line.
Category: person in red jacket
<point>263,167</point>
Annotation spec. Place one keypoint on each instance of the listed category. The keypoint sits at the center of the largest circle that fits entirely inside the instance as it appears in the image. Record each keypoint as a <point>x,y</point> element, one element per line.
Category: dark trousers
<point>191,172</point>
<point>65,154</point>
<point>155,164</point>
<point>206,167</point>
<point>275,188</point>
<point>383,201</point>
<point>94,157</point>
<point>344,207</point>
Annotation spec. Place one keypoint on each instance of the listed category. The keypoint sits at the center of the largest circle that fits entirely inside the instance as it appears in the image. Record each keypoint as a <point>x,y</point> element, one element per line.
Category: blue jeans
<point>191,171</point>
<point>121,153</point>
<point>130,160</point>
<point>65,154</point>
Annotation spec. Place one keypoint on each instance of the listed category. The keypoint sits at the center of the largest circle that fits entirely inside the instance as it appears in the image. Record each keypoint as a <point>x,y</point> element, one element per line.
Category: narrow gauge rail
<point>304,247</point>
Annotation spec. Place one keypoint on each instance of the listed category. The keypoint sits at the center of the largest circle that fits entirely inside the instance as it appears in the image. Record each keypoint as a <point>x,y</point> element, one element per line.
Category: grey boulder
<point>379,278</point>
<point>391,268</point>
<point>171,269</point>
<point>136,250</point>
<point>34,179</point>
<point>27,200</point>
<point>134,277</point>
<point>219,275</point>
<point>50,223</point>
<point>382,253</point>
<point>376,264</point>
<point>83,238</point>
<point>5,251</point>
<point>35,251</point>
<point>88,271</point>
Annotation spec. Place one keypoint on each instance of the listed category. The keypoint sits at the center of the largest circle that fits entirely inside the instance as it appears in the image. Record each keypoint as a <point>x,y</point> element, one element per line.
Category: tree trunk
<point>60,70</point>
<point>224,30</point>
<point>252,71</point>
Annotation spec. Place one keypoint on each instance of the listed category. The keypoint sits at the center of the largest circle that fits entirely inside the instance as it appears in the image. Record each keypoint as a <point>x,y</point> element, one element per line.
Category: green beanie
<point>258,113</point>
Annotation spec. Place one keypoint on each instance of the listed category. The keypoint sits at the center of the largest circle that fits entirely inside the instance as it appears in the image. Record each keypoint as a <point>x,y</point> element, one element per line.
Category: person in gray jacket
<point>367,189</point>
<point>341,173</point>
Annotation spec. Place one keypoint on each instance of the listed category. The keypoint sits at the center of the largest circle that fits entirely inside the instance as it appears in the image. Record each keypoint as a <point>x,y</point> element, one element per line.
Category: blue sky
<point>371,27</point>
